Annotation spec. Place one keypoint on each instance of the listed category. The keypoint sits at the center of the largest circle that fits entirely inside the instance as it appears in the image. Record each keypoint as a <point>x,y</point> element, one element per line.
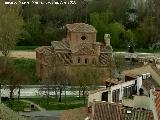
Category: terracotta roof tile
<point>104,58</point>
<point>44,49</point>
<point>107,111</point>
<point>60,45</point>
<point>157,101</point>
<point>136,114</point>
<point>80,27</point>
<point>65,57</point>
<point>115,111</point>
<point>149,84</point>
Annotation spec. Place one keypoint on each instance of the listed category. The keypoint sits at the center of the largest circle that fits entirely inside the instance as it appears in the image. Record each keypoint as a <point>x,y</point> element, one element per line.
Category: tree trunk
<point>60,95</point>
<point>79,94</point>
<point>19,93</point>
<point>65,95</point>
<point>56,96</point>
<point>84,98</point>
<point>11,96</point>
<point>48,95</point>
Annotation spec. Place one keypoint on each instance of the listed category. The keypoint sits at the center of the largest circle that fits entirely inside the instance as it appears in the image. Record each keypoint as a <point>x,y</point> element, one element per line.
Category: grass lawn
<point>25,47</point>
<point>29,67</point>
<point>17,106</point>
<point>71,102</point>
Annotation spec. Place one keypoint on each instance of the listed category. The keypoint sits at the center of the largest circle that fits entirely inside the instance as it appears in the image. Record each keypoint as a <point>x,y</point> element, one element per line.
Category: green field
<point>29,67</point>
<point>17,106</point>
<point>71,102</point>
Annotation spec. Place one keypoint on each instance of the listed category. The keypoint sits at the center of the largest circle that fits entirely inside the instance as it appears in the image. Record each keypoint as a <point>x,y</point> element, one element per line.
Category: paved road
<point>43,115</point>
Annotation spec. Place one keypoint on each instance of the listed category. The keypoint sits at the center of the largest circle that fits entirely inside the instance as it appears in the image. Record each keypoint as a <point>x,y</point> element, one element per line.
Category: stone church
<point>79,48</point>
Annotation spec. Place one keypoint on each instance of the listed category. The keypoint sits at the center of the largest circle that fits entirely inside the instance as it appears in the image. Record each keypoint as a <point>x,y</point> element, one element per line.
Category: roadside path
<point>22,54</point>
<point>37,106</point>
<point>43,115</point>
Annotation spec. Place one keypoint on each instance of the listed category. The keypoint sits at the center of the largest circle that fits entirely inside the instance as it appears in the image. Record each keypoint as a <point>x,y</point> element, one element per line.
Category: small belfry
<point>79,48</point>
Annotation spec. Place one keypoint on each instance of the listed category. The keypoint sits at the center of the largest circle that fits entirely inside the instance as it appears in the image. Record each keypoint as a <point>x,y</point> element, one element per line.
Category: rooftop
<point>60,45</point>
<point>149,84</point>
<point>157,102</point>
<point>115,111</point>
<point>80,27</point>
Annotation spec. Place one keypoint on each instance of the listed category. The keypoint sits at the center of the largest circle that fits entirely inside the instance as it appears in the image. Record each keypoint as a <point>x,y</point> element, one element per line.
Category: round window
<point>83,37</point>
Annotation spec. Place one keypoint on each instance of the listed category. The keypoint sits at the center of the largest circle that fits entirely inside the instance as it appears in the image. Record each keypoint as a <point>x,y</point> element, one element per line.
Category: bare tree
<point>60,78</point>
<point>85,77</point>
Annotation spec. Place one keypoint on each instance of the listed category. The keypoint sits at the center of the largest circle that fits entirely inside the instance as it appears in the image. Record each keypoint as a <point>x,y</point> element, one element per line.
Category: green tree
<point>101,21</point>
<point>117,31</point>
<point>33,30</point>
<point>10,27</point>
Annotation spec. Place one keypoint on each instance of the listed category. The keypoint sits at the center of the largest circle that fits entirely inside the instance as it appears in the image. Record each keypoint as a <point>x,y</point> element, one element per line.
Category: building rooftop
<point>60,45</point>
<point>115,111</point>
<point>157,102</point>
<point>80,27</point>
<point>136,114</point>
<point>106,111</point>
<point>47,50</point>
<point>149,84</point>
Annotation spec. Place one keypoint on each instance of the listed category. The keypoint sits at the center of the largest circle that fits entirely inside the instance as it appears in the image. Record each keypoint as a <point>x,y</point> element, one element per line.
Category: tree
<point>101,22</point>
<point>60,79</point>
<point>32,30</point>
<point>9,76</point>
<point>10,27</point>
<point>150,25</point>
<point>120,64</point>
<point>20,78</point>
<point>85,77</point>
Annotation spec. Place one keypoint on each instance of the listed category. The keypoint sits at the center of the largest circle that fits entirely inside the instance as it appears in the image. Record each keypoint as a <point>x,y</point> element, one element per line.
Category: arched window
<point>86,61</point>
<point>79,60</point>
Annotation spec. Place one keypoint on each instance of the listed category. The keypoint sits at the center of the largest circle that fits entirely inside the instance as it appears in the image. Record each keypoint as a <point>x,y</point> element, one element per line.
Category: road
<point>43,115</point>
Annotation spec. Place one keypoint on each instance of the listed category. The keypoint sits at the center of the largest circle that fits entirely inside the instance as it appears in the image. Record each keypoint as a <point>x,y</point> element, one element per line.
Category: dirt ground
<point>23,54</point>
<point>75,114</point>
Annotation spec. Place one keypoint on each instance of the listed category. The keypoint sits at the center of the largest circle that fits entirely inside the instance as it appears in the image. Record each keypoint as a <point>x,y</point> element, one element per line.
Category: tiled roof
<point>104,58</point>
<point>115,111</point>
<point>80,27</point>
<point>66,58</point>
<point>60,45</point>
<point>47,50</point>
<point>114,81</point>
<point>85,50</point>
<point>136,114</point>
<point>106,111</point>
<point>105,54</point>
<point>149,84</point>
<point>157,102</point>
